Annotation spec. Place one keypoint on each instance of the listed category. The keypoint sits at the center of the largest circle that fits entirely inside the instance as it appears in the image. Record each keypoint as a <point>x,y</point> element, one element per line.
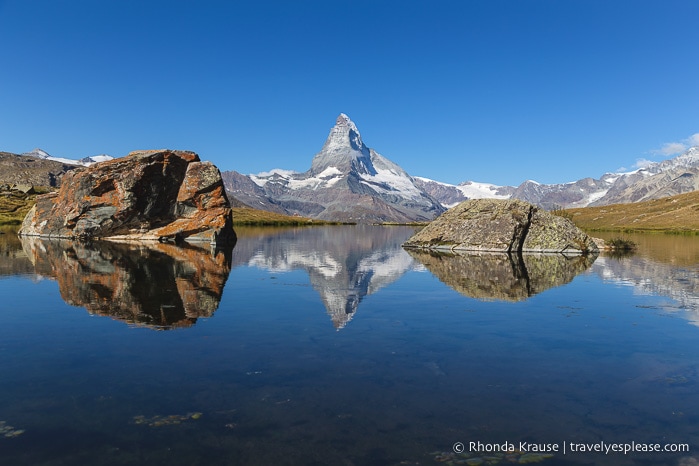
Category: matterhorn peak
<point>344,135</point>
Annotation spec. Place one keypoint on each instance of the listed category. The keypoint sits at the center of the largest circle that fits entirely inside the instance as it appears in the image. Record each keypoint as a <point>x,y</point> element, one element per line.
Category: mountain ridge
<point>670,177</point>
<point>347,182</point>
<point>350,182</point>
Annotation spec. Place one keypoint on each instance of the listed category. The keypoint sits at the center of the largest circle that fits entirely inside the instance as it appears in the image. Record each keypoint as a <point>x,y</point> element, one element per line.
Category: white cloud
<point>671,148</point>
<point>675,148</point>
<point>278,171</point>
<point>642,163</point>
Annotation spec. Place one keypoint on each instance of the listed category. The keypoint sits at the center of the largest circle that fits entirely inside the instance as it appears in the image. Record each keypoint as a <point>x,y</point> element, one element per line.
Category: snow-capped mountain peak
<point>355,138</point>
<point>38,153</point>
<point>85,161</point>
<point>343,149</point>
<point>347,181</point>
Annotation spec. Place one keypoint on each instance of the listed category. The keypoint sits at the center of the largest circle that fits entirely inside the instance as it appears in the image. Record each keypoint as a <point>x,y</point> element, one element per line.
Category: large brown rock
<point>502,226</point>
<point>147,195</point>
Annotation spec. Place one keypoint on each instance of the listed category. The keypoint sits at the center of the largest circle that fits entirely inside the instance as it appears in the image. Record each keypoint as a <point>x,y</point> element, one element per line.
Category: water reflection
<point>344,263</point>
<point>650,277</point>
<point>13,260</point>
<point>493,276</point>
<point>154,285</point>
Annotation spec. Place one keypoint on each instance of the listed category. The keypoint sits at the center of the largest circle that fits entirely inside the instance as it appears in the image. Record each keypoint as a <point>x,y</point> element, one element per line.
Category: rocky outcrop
<point>502,226</point>
<point>148,195</point>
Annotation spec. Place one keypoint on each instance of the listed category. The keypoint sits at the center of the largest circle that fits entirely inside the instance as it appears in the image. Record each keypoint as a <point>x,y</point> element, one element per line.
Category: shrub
<point>621,244</point>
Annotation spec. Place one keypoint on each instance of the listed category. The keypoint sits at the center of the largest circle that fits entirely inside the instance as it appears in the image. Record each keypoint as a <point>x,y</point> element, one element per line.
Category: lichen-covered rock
<point>501,226</point>
<point>147,195</point>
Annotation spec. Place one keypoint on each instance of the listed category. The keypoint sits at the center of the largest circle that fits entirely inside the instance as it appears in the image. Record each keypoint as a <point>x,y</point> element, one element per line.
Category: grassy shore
<point>248,216</point>
<point>674,214</point>
<point>14,207</point>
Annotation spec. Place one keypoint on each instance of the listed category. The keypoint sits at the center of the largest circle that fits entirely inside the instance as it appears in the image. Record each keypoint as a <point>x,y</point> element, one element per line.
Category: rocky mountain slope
<point>347,181</point>
<point>657,180</point>
<point>18,169</point>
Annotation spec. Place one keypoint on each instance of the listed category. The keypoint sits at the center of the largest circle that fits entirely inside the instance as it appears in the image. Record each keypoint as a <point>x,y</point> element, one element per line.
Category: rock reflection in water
<point>13,260</point>
<point>154,285</point>
<point>494,276</point>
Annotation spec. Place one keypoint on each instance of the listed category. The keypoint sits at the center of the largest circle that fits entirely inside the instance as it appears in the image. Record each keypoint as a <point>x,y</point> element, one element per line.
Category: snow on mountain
<point>347,181</point>
<point>450,195</point>
<point>656,180</point>
<point>476,190</point>
<point>95,159</point>
<point>86,161</point>
<point>290,179</point>
<point>38,153</point>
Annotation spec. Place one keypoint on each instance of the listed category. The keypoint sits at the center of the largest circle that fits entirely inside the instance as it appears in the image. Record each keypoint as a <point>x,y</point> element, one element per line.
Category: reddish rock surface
<point>148,195</point>
<point>156,285</point>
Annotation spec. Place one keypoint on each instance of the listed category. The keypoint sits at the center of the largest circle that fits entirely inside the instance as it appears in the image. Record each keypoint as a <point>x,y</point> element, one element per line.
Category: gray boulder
<point>502,226</point>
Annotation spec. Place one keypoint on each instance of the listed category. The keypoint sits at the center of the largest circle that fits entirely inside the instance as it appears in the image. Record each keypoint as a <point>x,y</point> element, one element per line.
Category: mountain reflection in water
<point>155,285</point>
<point>507,277</point>
<point>344,263</point>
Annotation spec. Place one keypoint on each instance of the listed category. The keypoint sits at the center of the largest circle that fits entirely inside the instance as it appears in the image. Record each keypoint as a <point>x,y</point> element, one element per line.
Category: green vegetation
<point>673,214</point>
<point>249,216</point>
<point>14,206</point>
<point>561,212</point>
<point>621,244</point>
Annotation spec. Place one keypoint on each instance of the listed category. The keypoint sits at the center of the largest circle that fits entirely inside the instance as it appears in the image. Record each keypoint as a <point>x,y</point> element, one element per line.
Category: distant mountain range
<point>38,168</point>
<point>661,179</point>
<point>85,161</point>
<point>348,181</point>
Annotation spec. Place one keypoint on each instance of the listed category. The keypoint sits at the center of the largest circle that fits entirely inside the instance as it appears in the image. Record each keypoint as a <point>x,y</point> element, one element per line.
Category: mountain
<point>657,180</point>
<point>450,195</point>
<point>342,270</point>
<point>347,181</point>
<point>39,168</point>
<point>19,169</point>
<point>85,161</point>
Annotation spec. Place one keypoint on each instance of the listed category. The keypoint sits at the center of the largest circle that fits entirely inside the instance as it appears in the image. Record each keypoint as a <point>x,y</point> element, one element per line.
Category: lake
<point>333,345</point>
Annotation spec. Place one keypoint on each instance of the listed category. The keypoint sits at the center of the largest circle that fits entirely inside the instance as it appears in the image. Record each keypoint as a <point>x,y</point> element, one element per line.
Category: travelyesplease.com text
<point>602,447</point>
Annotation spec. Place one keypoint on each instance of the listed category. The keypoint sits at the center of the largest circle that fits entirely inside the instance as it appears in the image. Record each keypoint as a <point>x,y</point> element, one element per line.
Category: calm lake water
<point>333,345</point>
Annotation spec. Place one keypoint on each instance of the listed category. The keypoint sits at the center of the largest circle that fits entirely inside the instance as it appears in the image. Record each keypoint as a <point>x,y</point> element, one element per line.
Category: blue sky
<point>489,90</point>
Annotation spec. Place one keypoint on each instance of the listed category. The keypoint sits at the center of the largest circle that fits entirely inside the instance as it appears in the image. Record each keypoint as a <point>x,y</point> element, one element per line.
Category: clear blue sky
<point>487,90</point>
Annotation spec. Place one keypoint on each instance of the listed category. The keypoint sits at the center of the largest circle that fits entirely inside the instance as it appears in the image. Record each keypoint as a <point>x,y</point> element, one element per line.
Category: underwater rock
<point>172,419</point>
<point>451,458</point>
<point>8,431</point>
